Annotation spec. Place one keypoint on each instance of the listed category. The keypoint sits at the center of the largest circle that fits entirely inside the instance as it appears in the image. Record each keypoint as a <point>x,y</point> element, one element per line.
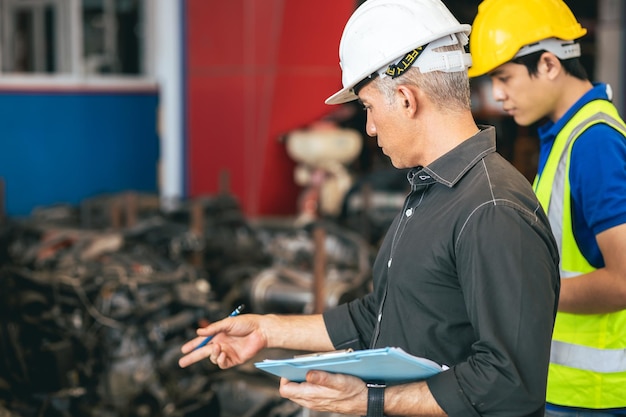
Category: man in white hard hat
<point>467,275</point>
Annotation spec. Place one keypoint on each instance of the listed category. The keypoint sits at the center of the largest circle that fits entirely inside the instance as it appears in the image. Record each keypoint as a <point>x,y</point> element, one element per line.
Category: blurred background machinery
<point>96,300</point>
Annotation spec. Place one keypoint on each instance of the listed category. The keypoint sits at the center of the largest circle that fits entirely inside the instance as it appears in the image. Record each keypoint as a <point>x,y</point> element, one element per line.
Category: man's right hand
<point>235,341</point>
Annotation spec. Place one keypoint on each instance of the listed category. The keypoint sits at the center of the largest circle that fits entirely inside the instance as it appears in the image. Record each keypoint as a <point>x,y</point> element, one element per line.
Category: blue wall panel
<point>64,147</point>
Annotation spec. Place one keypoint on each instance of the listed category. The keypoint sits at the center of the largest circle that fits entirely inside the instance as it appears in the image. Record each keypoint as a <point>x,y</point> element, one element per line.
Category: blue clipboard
<point>389,365</point>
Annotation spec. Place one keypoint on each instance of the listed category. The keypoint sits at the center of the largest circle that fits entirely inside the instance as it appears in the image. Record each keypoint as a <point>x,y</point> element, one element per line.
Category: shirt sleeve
<point>598,177</point>
<point>507,266</point>
<point>351,325</point>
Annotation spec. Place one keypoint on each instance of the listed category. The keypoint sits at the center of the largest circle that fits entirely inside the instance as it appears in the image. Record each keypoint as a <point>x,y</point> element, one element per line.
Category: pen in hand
<point>235,312</point>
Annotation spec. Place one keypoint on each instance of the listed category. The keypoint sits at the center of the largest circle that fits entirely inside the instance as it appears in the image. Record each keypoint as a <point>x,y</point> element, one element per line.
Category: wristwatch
<point>375,399</point>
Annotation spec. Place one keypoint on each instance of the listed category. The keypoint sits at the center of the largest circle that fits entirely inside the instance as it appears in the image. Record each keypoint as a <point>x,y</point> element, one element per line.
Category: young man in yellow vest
<point>529,50</point>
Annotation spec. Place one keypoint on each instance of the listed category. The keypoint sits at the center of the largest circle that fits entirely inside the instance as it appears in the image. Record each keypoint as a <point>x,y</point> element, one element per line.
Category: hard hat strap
<point>430,59</point>
<point>397,69</point>
<point>446,61</point>
<point>560,48</point>
<point>358,86</point>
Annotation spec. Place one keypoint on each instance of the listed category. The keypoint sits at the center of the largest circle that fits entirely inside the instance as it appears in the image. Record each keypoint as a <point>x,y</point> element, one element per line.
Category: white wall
<point>165,22</point>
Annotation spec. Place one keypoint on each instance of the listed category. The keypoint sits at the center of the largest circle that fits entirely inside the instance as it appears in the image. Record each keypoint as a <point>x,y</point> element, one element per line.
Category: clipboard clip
<point>322,354</point>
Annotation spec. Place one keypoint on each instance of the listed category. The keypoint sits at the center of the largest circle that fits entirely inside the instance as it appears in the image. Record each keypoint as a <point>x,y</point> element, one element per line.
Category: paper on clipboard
<point>389,365</point>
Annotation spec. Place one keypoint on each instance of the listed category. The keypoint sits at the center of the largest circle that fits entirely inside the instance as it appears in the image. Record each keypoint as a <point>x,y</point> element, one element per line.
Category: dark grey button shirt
<point>467,276</point>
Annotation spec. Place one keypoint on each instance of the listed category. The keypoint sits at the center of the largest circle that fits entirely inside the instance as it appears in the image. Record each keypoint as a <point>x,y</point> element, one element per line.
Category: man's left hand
<point>326,392</point>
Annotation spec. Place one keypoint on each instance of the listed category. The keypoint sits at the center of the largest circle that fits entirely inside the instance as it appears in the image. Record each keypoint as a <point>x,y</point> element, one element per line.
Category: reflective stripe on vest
<point>588,356</point>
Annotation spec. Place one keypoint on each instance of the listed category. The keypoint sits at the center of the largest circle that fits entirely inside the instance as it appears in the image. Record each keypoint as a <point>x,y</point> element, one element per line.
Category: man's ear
<point>549,65</point>
<point>409,98</point>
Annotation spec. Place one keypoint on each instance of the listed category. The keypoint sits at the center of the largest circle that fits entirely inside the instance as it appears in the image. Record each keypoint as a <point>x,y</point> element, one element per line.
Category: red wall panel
<point>255,70</point>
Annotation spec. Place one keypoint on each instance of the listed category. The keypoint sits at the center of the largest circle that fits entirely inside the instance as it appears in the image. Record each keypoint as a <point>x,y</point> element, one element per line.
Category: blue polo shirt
<point>597,176</point>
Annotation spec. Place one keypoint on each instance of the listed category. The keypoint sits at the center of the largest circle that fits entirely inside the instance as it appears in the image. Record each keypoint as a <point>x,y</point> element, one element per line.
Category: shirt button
<point>389,263</point>
<point>408,212</point>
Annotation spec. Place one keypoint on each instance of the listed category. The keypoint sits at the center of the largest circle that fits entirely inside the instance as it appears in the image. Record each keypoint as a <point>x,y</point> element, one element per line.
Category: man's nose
<point>497,92</point>
<point>370,128</point>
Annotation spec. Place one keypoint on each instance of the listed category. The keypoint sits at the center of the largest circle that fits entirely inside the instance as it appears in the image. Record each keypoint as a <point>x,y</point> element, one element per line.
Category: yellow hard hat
<point>502,27</point>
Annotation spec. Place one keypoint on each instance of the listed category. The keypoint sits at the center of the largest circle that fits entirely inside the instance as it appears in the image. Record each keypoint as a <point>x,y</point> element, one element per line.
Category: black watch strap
<point>375,400</point>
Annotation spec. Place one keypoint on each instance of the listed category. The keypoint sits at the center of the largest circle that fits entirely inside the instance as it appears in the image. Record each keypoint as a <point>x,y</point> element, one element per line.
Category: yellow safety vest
<point>588,354</point>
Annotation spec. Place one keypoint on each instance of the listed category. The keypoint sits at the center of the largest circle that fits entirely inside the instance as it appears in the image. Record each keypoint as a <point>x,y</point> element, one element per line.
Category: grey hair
<point>449,91</point>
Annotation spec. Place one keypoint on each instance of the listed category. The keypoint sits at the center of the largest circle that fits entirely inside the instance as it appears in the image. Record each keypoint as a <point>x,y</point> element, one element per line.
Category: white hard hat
<point>382,32</point>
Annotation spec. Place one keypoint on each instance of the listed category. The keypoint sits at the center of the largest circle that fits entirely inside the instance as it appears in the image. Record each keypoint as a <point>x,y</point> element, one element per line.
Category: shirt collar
<point>549,130</point>
<point>450,168</point>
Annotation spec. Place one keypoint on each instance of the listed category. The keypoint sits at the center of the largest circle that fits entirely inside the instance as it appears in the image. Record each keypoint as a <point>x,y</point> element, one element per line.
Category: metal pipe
<point>319,269</point>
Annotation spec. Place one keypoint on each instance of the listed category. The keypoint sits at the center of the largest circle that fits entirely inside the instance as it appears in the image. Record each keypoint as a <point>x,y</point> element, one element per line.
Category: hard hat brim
<point>344,95</point>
